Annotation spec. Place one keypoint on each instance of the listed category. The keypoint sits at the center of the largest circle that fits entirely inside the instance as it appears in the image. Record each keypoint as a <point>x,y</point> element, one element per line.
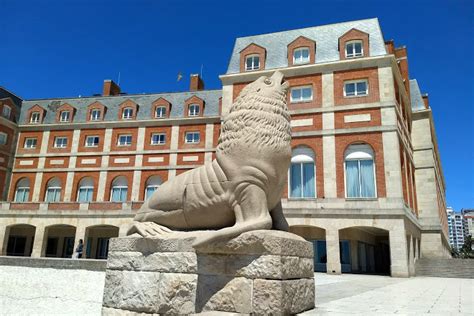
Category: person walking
<point>79,249</point>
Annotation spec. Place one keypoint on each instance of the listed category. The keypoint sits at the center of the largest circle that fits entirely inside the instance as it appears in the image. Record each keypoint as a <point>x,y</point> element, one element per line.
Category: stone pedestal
<point>260,273</point>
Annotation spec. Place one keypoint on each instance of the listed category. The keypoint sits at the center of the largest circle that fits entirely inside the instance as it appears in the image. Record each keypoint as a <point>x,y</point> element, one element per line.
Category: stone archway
<point>59,241</point>
<point>97,240</point>
<point>18,240</point>
<point>317,236</point>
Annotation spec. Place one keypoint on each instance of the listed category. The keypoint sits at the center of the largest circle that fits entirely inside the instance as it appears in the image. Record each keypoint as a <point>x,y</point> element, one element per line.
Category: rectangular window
<point>64,117</point>
<point>84,194</point>
<point>360,180</point>
<point>356,88</point>
<point>124,140</point>
<point>30,143</point>
<point>127,113</point>
<point>354,49</point>
<point>252,62</point>
<point>53,194</point>
<point>60,142</point>
<point>158,139</point>
<point>301,94</point>
<point>35,117</point>
<point>193,110</point>
<point>95,115</point>
<point>6,111</point>
<point>160,112</point>
<point>3,138</point>
<point>302,184</point>
<point>22,194</point>
<point>92,141</point>
<point>301,56</point>
<point>192,137</point>
<point>119,194</point>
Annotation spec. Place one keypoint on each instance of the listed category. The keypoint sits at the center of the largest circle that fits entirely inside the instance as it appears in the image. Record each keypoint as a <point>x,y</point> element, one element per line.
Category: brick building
<point>83,166</point>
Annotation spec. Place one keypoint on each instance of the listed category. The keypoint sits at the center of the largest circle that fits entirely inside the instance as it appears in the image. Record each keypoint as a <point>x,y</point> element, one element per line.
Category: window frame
<point>55,144</point>
<point>192,132</point>
<point>194,113</point>
<point>67,119</point>
<point>301,88</point>
<point>162,112</point>
<point>88,189</point>
<point>37,115</point>
<point>252,56</point>
<point>92,117</point>
<point>354,55</point>
<point>23,190</point>
<point>126,110</point>
<point>4,114</point>
<point>26,142</point>
<point>158,143</point>
<point>5,137</point>
<point>374,169</point>
<point>299,49</point>
<point>57,194</point>
<point>124,144</point>
<point>121,188</point>
<point>355,82</point>
<point>91,146</point>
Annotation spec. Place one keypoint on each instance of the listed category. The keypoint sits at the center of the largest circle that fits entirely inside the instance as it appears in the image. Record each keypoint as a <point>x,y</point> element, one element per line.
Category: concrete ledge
<point>54,263</point>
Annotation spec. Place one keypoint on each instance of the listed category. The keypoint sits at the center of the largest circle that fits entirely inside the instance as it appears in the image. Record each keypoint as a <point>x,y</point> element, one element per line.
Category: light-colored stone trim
<point>301,122</point>
<point>392,165</point>
<point>386,84</point>
<point>357,118</point>
<point>37,187</point>
<point>137,176</point>
<point>356,130</point>
<point>101,186</point>
<point>156,159</point>
<point>140,139</point>
<point>174,138</point>
<point>191,158</point>
<point>328,89</point>
<point>227,98</point>
<point>329,166</point>
<point>44,143</point>
<point>107,139</point>
<point>68,187</point>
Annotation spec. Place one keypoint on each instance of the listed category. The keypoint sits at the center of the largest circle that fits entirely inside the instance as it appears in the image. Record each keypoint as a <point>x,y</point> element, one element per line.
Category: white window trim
<point>157,144</point>
<point>121,187</point>
<point>92,118</point>
<point>68,117</point>
<point>5,136</point>
<point>124,135</point>
<point>4,110</point>
<point>52,188</point>
<point>355,91</point>
<point>126,110</point>
<point>156,111</point>
<point>295,62</point>
<point>190,113</point>
<point>193,142</point>
<point>253,66</point>
<point>16,194</point>
<point>93,145</point>
<point>301,87</point>
<point>360,152</point>
<point>33,114</point>
<point>88,187</point>
<point>55,145</point>
<point>26,142</point>
<point>354,55</point>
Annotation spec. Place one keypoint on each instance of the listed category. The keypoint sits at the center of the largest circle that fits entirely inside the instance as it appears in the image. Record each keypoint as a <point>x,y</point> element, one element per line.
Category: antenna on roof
<point>118,81</point>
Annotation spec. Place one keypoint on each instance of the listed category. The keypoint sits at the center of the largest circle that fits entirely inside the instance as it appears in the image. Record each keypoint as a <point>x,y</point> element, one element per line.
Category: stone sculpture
<point>240,190</point>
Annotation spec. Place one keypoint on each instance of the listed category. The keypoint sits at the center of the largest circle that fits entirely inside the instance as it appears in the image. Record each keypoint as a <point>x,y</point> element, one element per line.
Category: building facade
<point>83,166</point>
<point>456,229</point>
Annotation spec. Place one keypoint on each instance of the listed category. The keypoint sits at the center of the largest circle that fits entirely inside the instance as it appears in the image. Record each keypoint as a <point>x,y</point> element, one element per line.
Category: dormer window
<point>252,62</point>
<point>193,110</point>
<point>65,116</point>
<point>3,138</point>
<point>127,114</point>
<point>6,112</point>
<point>301,56</point>
<point>354,49</point>
<point>35,117</point>
<point>95,115</point>
<point>160,112</point>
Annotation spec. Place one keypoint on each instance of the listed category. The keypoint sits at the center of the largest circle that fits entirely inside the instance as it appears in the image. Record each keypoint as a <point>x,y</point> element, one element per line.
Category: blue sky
<point>67,48</point>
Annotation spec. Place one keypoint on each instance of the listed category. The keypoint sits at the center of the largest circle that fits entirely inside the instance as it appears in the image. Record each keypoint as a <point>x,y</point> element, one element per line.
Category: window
<point>360,172</point>
<point>3,138</point>
<point>302,174</point>
<point>22,191</point>
<point>95,115</point>
<point>85,190</point>
<point>193,110</point>
<point>127,113</point>
<point>356,88</point>
<point>64,116</point>
<point>301,94</point>
<point>53,191</point>
<point>354,49</point>
<point>192,137</point>
<point>301,56</point>
<point>30,143</point>
<point>92,141</point>
<point>158,139</point>
<point>35,117</point>
<point>124,140</point>
<point>60,142</point>
<point>119,189</point>
<point>151,185</point>
<point>252,62</point>
<point>6,111</point>
<point>160,111</point>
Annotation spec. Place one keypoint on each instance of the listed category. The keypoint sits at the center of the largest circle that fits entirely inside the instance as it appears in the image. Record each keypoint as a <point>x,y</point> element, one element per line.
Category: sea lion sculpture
<point>241,189</point>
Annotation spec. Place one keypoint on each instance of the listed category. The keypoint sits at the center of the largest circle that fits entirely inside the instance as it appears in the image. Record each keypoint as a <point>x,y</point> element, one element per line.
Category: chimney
<point>196,83</point>
<point>110,88</point>
<point>390,46</point>
<point>426,100</point>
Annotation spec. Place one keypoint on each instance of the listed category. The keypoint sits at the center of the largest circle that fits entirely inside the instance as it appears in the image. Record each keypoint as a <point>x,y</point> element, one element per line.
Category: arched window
<point>53,191</point>
<point>85,190</point>
<point>360,172</point>
<point>151,185</point>
<point>119,189</point>
<point>22,191</point>
<point>302,174</point>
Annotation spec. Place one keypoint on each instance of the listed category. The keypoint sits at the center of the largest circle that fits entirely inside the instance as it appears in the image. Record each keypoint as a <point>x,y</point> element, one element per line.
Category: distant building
<point>468,225</point>
<point>456,228</point>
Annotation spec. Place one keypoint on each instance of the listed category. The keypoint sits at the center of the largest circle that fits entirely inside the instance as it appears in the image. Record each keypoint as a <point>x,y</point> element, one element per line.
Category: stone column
<point>80,234</point>
<point>398,252</point>
<point>173,155</point>
<point>123,229</point>
<point>209,142</point>
<point>416,249</point>
<point>333,265</point>
<point>4,234</point>
<point>329,141</point>
<point>411,257</point>
<point>39,243</point>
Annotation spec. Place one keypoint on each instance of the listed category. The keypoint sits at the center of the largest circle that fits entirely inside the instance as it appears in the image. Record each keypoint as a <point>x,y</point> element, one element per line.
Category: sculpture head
<point>270,87</point>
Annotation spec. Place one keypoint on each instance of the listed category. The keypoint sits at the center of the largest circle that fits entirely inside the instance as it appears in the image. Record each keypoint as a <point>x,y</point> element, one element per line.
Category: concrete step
<point>445,268</point>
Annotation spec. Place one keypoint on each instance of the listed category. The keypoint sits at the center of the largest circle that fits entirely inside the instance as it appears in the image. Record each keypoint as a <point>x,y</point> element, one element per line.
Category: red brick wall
<point>53,135</point>
<point>78,176</point>
<point>371,74</point>
<point>251,50</point>
<point>201,128</point>
<point>62,176</point>
<point>317,122</point>
<point>14,181</point>
<point>65,164</point>
<point>120,131</point>
<point>21,142</point>
<point>130,163</point>
<point>165,162</point>
<point>199,162</point>
<point>18,166</point>
<point>91,132</point>
<point>161,130</point>
<point>163,174</point>
<point>111,175</point>
<point>79,164</point>
<point>375,118</point>
<point>299,43</point>
<point>352,35</point>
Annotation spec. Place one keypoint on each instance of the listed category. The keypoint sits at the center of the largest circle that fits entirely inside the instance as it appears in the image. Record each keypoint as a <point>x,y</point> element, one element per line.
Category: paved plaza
<point>379,295</point>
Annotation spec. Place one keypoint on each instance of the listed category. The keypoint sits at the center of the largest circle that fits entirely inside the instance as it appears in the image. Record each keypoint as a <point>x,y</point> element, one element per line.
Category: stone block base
<point>259,273</point>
